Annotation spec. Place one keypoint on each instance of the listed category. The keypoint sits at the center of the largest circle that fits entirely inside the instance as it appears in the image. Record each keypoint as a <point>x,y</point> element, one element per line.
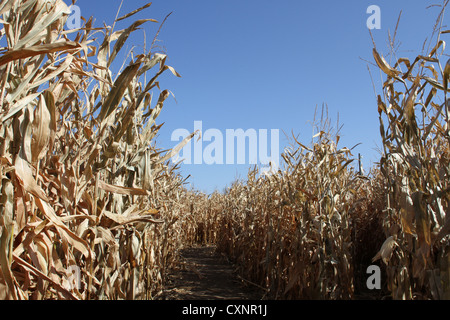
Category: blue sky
<point>268,64</point>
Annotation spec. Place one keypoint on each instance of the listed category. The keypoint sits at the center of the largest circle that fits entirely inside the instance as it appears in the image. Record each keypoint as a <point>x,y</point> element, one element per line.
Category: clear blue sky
<point>268,64</point>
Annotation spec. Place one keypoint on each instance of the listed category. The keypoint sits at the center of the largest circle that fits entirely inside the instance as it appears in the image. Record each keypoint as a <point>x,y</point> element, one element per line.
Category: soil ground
<point>207,275</point>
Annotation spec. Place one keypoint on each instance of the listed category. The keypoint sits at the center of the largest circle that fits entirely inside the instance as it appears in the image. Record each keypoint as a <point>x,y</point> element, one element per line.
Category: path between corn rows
<point>206,275</point>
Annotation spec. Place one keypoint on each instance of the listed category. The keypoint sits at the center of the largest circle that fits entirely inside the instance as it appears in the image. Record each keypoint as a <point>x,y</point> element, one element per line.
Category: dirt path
<point>206,275</point>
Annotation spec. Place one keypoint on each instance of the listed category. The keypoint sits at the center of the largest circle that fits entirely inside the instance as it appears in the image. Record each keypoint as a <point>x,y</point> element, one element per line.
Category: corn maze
<point>85,188</point>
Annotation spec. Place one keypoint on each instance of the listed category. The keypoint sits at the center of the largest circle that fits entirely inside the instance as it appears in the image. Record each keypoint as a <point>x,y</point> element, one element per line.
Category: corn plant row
<point>90,207</point>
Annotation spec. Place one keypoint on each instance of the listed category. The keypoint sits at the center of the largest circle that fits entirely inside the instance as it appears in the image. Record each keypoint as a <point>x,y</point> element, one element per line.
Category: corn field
<point>86,190</point>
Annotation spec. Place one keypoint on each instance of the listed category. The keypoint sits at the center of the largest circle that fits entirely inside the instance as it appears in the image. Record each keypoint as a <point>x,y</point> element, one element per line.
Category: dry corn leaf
<point>121,220</point>
<point>422,219</point>
<point>434,83</point>
<point>6,238</point>
<point>116,94</point>
<point>25,175</point>
<point>122,190</point>
<point>409,111</point>
<point>6,6</point>
<point>63,230</point>
<point>53,74</point>
<point>47,15</point>
<point>135,11</point>
<point>23,53</point>
<point>441,43</point>
<point>124,34</point>
<point>173,152</point>
<point>386,250</point>
<point>41,130</point>
<point>381,62</point>
<point>446,74</point>
<point>19,105</point>
<point>43,276</point>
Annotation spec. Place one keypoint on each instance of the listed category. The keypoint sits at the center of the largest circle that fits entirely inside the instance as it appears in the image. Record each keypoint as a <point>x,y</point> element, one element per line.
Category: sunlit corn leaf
<point>25,175</point>
<point>41,130</point>
<point>409,112</point>
<point>441,43</point>
<point>18,54</point>
<point>135,11</point>
<point>19,105</point>
<point>121,190</point>
<point>64,231</point>
<point>46,16</point>
<point>381,62</point>
<point>6,238</point>
<point>124,34</point>
<point>116,94</point>
<point>446,74</point>
<point>121,220</point>
<point>434,83</point>
<point>386,250</point>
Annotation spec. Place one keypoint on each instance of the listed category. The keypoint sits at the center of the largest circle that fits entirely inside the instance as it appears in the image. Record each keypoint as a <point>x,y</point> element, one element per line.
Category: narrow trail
<point>207,275</point>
